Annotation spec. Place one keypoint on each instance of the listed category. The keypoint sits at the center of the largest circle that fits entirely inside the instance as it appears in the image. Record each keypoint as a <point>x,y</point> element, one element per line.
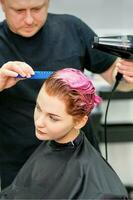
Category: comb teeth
<point>39,75</point>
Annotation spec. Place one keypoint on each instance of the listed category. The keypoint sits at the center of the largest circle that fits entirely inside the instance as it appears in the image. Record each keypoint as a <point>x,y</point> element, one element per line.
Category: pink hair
<point>75,89</point>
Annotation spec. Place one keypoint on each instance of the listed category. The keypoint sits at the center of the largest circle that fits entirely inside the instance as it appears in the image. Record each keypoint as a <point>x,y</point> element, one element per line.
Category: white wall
<point>104,16</point>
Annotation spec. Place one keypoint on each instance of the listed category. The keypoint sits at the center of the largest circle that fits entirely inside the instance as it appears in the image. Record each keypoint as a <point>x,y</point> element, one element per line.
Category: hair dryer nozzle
<point>121,46</point>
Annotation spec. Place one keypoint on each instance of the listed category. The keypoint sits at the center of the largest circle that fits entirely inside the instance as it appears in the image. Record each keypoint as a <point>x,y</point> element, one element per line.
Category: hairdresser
<point>31,39</point>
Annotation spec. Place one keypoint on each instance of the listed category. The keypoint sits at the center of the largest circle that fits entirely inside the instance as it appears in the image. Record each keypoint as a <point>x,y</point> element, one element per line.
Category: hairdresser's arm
<point>124,67</point>
<point>9,72</point>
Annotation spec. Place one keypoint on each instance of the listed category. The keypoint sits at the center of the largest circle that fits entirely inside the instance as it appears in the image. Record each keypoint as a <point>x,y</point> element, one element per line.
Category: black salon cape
<point>66,171</point>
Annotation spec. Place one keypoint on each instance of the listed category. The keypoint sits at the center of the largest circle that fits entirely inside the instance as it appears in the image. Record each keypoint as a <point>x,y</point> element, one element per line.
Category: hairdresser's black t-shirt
<point>64,41</point>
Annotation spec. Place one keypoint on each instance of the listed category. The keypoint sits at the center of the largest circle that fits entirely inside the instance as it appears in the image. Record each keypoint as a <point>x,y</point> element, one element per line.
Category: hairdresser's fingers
<point>126,73</point>
<point>4,73</point>
<point>10,67</point>
<point>27,69</point>
<point>9,82</point>
<point>125,65</point>
<point>128,79</point>
<point>126,70</point>
<point>18,67</point>
<point>126,62</point>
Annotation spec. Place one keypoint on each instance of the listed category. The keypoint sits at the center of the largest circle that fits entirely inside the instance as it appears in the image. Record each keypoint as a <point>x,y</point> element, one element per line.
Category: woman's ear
<point>79,123</point>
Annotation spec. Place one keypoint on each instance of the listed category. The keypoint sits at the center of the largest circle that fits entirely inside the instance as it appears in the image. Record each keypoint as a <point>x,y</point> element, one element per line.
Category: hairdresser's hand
<point>9,72</point>
<point>126,68</point>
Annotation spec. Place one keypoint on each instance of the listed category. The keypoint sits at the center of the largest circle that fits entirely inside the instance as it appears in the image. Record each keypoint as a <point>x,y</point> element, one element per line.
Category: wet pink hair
<point>75,89</point>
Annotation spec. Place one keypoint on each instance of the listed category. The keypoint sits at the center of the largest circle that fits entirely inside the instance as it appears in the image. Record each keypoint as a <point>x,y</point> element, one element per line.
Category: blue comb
<point>39,75</point>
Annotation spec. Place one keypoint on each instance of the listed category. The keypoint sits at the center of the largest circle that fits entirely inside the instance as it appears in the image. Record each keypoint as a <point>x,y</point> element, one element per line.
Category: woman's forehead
<point>51,103</point>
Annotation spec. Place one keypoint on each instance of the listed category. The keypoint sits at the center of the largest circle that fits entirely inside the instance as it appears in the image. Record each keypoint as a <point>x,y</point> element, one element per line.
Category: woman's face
<point>52,122</point>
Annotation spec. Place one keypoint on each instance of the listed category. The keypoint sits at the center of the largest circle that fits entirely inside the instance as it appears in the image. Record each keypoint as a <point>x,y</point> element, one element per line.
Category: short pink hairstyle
<point>75,88</point>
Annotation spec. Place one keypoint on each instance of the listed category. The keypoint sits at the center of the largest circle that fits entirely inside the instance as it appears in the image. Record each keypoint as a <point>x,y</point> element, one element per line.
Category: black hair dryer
<point>121,46</point>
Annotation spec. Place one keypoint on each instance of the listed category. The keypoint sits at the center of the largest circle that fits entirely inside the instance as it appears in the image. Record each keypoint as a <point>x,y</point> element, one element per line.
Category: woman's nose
<point>40,121</point>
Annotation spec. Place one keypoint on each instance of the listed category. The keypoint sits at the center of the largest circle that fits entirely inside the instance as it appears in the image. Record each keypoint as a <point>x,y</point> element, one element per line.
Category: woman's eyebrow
<point>49,113</point>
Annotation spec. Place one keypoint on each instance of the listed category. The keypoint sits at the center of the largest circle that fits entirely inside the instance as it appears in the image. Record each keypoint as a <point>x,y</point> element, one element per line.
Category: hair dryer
<point>121,46</point>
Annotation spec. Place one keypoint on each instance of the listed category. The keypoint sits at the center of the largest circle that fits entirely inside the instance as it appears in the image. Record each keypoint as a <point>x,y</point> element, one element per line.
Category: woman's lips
<point>40,132</point>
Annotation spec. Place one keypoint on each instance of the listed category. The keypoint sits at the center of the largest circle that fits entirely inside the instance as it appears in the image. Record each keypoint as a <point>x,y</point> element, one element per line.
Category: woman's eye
<point>53,118</point>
